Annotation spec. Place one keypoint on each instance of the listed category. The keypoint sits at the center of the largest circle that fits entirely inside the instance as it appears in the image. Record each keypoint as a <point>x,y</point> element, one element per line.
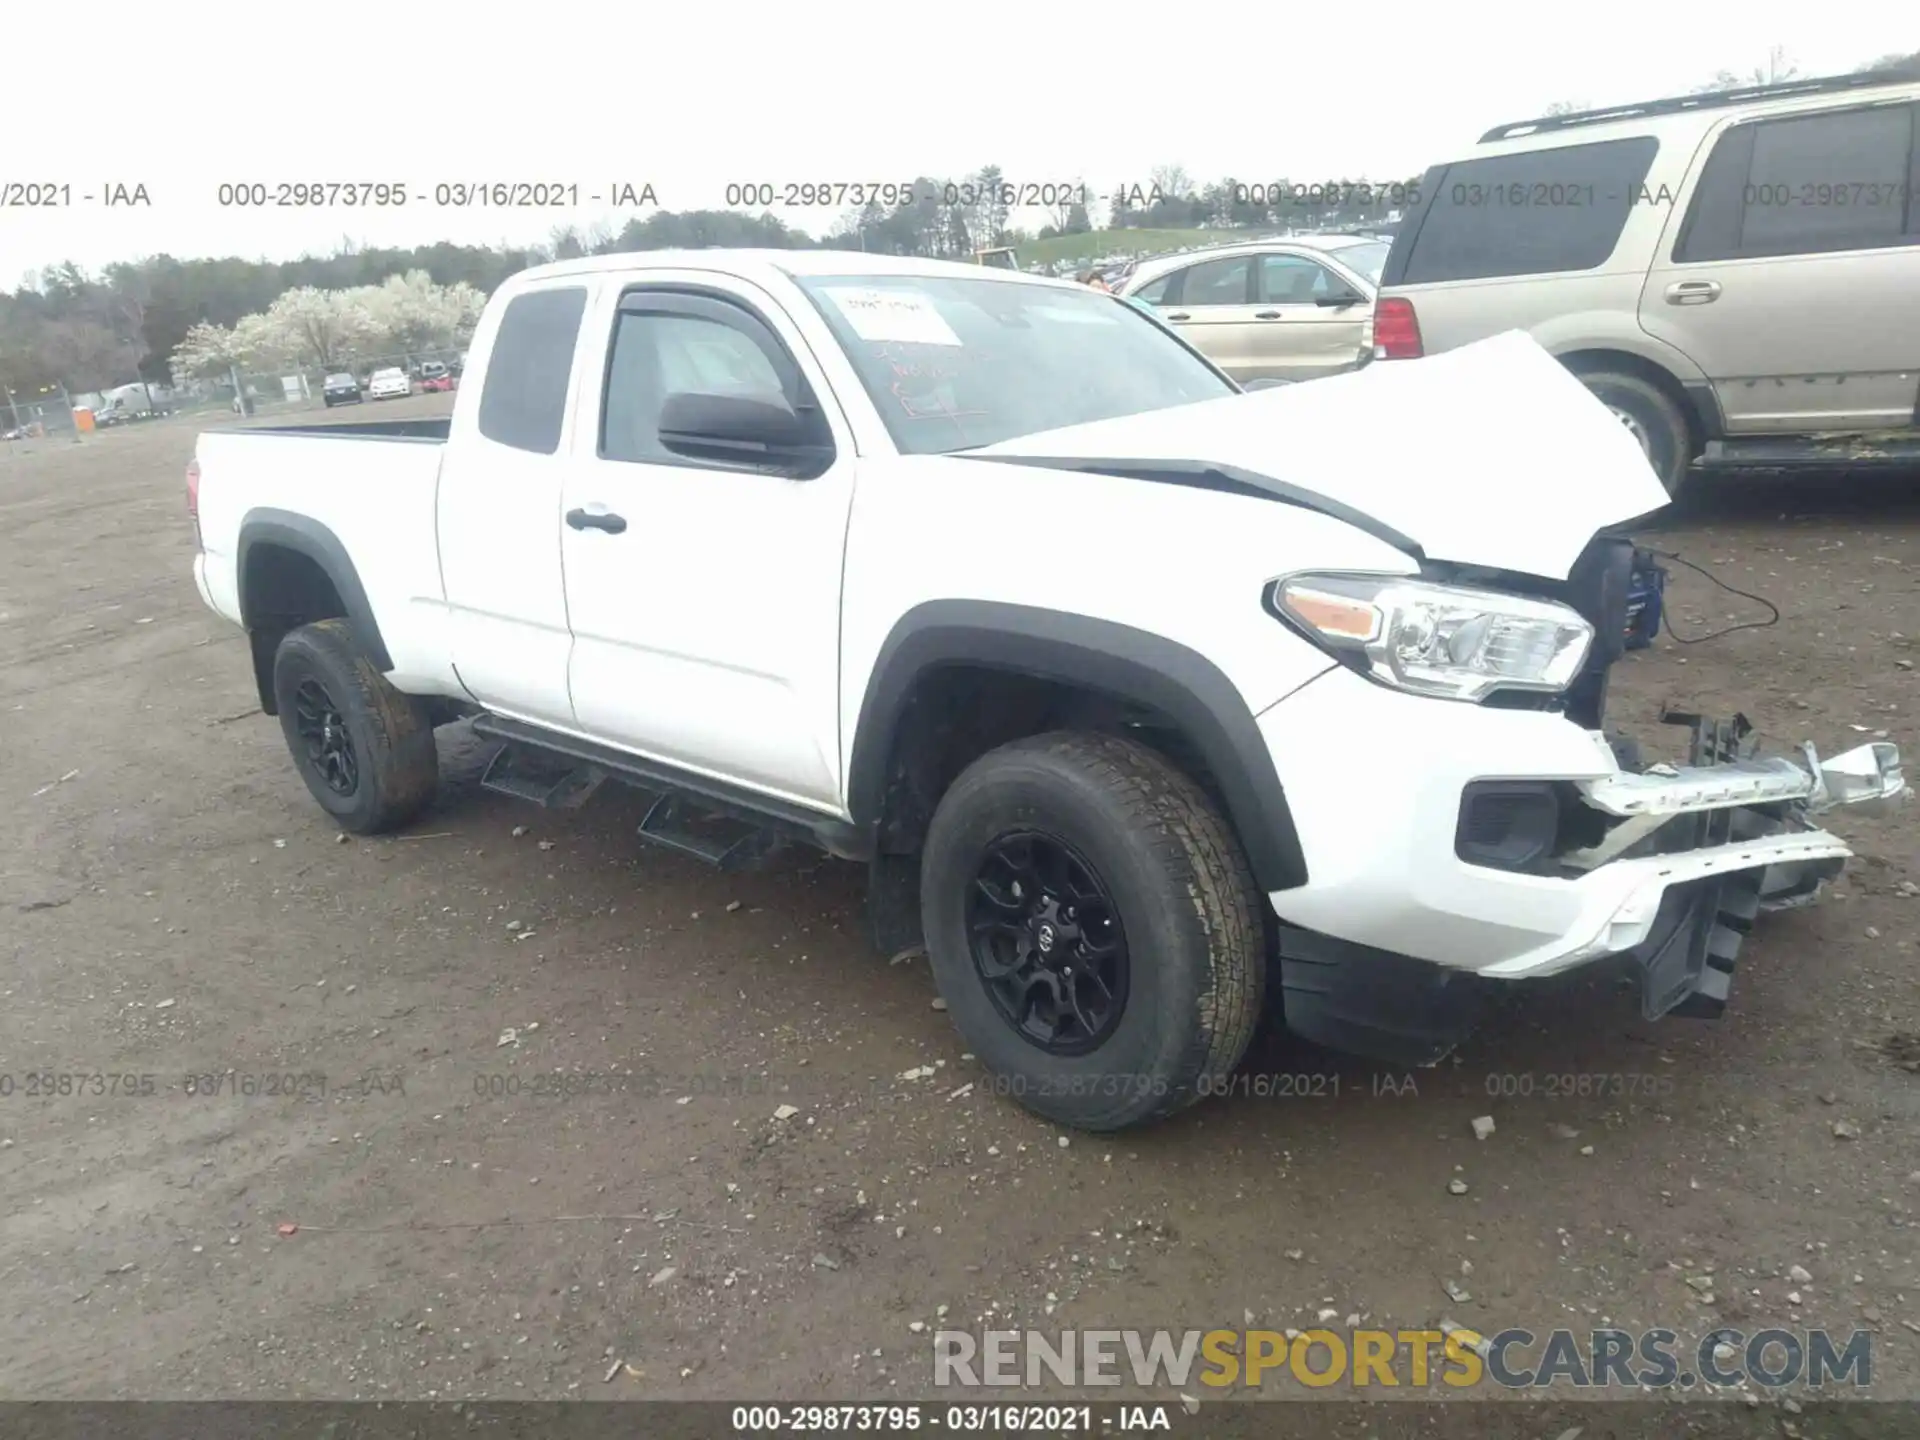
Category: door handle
<point>585,520</point>
<point>1180,315</point>
<point>1267,315</point>
<point>1693,292</point>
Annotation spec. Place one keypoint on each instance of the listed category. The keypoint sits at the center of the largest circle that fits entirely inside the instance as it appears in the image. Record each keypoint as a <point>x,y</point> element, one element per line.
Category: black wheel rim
<point>1047,943</point>
<point>323,730</point>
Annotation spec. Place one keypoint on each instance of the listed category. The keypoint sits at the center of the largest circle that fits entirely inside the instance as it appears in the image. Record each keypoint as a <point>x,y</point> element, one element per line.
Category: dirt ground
<point>374,1019</point>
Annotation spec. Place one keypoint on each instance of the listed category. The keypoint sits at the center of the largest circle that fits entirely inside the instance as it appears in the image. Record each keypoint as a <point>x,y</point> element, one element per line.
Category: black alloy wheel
<point>329,743</point>
<point>1047,943</point>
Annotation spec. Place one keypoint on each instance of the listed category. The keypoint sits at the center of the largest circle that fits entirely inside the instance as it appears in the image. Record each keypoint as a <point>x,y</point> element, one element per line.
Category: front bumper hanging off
<point>1664,867</point>
<point>1739,824</point>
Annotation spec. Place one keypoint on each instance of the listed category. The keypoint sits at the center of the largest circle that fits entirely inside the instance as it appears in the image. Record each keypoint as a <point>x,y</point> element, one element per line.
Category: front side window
<point>657,352</point>
<point>952,364</point>
<point>1296,280</point>
<point>1806,185</point>
<point>1368,257</point>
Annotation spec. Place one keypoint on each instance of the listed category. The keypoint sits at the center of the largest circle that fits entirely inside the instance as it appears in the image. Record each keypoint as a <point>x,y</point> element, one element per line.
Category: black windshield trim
<point>1203,475</point>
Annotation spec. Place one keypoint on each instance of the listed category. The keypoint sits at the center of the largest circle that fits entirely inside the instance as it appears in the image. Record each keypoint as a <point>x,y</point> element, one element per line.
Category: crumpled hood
<point>1490,455</point>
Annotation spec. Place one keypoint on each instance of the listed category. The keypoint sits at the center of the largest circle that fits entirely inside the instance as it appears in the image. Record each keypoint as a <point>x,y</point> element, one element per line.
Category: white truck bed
<point>324,474</point>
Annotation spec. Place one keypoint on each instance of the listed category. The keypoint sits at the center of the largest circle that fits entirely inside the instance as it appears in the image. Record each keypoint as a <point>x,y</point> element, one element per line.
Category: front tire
<point>1094,928</point>
<point>1653,418</point>
<point>365,749</point>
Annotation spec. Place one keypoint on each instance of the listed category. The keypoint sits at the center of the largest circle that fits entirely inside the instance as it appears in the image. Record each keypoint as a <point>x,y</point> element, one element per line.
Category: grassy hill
<point>1098,244</point>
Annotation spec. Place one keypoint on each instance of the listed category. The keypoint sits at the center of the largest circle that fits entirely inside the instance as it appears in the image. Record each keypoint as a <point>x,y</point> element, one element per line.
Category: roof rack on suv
<point>1711,100</point>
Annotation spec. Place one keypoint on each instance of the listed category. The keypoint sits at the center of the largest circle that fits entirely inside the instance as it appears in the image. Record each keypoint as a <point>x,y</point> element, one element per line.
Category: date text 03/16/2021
<point>1012,1419</point>
<point>901,194</point>
<point>469,194</point>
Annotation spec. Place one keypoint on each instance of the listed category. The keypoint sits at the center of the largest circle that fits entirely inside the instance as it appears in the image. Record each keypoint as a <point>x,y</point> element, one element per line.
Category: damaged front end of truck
<point>1705,845</point>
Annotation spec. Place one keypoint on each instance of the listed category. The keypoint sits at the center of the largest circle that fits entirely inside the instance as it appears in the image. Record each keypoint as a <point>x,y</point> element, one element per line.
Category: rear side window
<point>524,399</point>
<point>1807,185</point>
<point>1216,282</point>
<point>1538,213</point>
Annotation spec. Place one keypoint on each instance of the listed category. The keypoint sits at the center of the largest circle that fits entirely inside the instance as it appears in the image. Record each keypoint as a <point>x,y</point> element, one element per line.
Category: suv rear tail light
<point>193,500</point>
<point>1396,330</point>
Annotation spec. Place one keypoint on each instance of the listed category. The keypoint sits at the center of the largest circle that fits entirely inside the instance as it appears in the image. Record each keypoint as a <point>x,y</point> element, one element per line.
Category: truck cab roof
<point>768,264</point>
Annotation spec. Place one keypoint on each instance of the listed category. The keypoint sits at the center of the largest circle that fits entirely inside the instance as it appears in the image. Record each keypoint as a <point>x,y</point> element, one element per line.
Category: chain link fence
<point>39,419</point>
<point>33,420</point>
<point>293,388</point>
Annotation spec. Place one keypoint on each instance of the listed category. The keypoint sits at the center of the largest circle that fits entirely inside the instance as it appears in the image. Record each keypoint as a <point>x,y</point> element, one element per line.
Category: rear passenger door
<point>498,509</point>
<point>1211,305</point>
<point>1301,333</point>
<point>1792,277</point>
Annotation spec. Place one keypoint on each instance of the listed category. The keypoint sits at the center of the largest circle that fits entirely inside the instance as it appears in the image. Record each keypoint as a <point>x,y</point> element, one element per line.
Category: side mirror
<point>1340,301</point>
<point>743,430</point>
<point>1265,383</point>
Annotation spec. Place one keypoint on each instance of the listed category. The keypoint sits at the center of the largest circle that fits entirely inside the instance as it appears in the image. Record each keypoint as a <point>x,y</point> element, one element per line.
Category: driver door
<point>1305,333</point>
<point>704,597</point>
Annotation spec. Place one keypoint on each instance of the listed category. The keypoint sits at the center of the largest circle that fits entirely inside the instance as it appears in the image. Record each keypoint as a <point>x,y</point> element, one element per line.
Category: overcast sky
<point>689,98</point>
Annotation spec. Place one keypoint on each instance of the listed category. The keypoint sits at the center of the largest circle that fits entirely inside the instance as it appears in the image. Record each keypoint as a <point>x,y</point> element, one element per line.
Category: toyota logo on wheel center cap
<point>1045,938</point>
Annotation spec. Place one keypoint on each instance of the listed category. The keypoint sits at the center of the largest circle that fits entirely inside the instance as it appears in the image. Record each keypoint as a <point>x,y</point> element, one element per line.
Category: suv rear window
<point>1537,213</point>
<point>524,399</point>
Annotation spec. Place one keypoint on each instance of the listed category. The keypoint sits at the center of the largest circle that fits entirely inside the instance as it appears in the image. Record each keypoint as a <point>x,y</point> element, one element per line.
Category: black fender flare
<point>307,536</point>
<point>1101,655</point>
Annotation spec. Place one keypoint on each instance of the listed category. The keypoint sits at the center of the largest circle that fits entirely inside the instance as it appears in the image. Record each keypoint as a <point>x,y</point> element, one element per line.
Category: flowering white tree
<point>312,326</point>
<point>326,328</point>
<point>206,350</point>
<point>412,313</point>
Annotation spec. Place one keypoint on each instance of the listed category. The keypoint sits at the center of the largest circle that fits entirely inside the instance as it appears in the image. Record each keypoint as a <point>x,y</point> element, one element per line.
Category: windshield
<point>339,380</point>
<point>1368,257</point>
<point>956,363</point>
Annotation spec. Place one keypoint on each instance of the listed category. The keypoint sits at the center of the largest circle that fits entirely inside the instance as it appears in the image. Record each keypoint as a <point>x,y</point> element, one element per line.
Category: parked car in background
<point>341,389</point>
<point>1284,309</point>
<point>1736,275</point>
<point>440,381</point>
<point>389,384</point>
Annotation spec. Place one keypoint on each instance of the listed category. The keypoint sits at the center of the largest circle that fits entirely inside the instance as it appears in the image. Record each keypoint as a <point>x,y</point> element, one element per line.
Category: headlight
<point>1440,639</point>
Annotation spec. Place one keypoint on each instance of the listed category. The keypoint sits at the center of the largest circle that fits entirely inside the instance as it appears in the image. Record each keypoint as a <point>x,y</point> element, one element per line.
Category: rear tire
<point>1655,420</point>
<point>1175,887</point>
<point>365,749</point>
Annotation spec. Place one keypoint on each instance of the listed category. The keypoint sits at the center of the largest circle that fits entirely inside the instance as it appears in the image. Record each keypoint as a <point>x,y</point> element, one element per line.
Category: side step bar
<point>518,772</point>
<point>705,819</point>
<point>721,841</point>
<point>1876,450</point>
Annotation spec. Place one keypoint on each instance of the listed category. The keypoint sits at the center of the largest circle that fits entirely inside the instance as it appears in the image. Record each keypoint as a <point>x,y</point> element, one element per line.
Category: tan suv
<point>1270,310</point>
<point>1737,275</point>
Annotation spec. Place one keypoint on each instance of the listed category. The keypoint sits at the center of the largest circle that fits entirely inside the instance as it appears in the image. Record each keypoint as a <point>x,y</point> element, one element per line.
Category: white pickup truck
<point>1143,698</point>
